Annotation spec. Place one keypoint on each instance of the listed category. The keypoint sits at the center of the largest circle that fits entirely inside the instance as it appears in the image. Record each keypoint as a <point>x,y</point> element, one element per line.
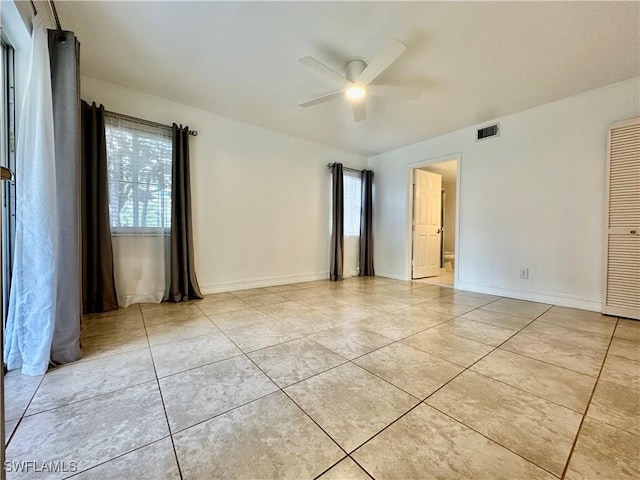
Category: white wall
<point>533,197</point>
<point>449,216</point>
<point>260,198</point>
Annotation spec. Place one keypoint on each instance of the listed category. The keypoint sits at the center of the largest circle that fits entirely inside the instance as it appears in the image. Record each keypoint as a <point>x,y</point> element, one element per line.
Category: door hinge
<point>12,142</point>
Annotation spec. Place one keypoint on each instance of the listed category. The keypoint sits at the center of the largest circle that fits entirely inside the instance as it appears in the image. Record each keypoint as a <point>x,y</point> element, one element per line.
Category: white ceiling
<point>475,61</point>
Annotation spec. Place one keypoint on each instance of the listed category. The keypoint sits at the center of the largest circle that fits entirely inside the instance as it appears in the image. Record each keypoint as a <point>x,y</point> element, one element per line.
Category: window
<point>8,160</point>
<point>139,169</point>
<point>352,204</point>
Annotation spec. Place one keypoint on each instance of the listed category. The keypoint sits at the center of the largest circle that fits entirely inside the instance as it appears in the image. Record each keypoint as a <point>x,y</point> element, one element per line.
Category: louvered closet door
<point>622,282</point>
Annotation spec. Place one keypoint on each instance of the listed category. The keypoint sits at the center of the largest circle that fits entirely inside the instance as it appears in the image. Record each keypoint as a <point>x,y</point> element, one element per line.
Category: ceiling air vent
<point>488,132</point>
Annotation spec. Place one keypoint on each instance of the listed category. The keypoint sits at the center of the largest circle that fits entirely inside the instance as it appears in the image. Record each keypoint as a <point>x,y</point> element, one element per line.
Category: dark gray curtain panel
<point>64,57</point>
<point>98,284</point>
<point>337,222</point>
<point>183,282</point>
<point>366,225</point>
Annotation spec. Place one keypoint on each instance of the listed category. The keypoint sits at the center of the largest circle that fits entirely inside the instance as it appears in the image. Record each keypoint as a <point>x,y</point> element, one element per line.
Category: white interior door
<point>622,273</point>
<point>426,224</point>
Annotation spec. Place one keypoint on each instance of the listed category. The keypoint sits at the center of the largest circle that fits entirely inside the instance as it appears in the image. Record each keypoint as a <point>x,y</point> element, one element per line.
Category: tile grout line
<point>318,477</point>
<point>593,391</point>
<point>491,440</point>
<point>385,380</point>
<point>285,393</point>
<point>363,469</point>
<point>314,421</point>
<point>394,421</point>
<point>464,368</point>
<point>527,392</point>
<point>164,408</point>
<point>22,415</point>
<point>147,346</point>
<point>200,422</point>
<point>348,455</point>
<point>247,354</point>
<point>319,373</point>
<point>531,358</point>
<point>311,376</point>
<point>108,354</point>
<point>479,359</point>
<point>424,401</point>
<point>117,456</point>
<point>99,395</point>
<point>442,386</point>
<point>393,342</point>
<point>538,318</point>
<point>545,362</point>
<point>487,354</point>
<point>539,336</point>
<point>401,341</point>
<point>202,365</point>
<point>351,361</point>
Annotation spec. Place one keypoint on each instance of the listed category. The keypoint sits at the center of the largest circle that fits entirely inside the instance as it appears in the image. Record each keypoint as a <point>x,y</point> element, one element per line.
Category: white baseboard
<point>395,276</point>
<point>560,299</point>
<point>261,282</point>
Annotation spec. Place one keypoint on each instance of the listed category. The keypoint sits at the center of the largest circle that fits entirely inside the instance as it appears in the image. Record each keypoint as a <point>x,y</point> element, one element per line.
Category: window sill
<point>140,232</point>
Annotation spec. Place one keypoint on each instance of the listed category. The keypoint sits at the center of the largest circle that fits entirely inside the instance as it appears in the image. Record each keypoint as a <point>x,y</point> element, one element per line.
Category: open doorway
<point>434,224</point>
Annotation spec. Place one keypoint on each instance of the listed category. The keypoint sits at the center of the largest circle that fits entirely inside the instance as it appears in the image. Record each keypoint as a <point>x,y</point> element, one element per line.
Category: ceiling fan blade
<point>322,98</point>
<point>359,111</point>
<point>397,92</point>
<point>381,62</point>
<point>322,69</point>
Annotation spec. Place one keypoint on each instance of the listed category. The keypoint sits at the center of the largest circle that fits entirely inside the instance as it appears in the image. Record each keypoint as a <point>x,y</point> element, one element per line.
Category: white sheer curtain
<point>140,265</point>
<point>139,166</point>
<point>32,302</point>
<point>352,206</point>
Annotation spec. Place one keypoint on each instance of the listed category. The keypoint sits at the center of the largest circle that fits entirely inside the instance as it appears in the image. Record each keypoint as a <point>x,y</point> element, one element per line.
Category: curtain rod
<point>193,133</point>
<point>54,13</point>
<point>330,165</point>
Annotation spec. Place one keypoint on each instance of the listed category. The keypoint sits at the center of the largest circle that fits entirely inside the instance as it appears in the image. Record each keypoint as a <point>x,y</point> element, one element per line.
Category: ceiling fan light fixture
<point>355,92</point>
<point>355,85</point>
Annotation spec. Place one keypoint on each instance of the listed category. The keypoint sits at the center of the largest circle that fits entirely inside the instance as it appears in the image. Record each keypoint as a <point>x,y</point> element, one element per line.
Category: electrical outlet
<point>524,273</point>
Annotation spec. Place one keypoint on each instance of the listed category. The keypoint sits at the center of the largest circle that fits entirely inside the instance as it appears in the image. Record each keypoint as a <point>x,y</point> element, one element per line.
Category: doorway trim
<point>409,245</point>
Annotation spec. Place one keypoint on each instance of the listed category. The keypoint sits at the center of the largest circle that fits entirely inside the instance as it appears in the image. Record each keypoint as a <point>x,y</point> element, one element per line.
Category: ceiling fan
<point>355,85</point>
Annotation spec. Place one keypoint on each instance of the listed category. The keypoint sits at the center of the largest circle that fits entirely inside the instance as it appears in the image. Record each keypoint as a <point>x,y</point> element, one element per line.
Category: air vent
<point>488,132</point>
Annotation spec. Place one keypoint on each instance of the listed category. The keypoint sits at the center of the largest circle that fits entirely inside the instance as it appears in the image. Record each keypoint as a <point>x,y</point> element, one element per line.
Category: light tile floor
<point>369,377</point>
<point>444,279</point>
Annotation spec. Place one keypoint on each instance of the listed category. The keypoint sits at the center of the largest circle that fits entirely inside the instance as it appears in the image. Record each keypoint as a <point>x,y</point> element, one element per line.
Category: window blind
<point>139,169</point>
<point>352,204</point>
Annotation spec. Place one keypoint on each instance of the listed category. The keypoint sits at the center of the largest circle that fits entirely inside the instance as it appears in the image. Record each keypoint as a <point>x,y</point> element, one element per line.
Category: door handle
<point>440,230</point>
<point>6,174</point>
